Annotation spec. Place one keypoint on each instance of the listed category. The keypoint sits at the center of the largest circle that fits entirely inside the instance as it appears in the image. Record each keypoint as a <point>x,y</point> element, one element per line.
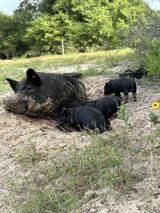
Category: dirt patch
<point>18,132</point>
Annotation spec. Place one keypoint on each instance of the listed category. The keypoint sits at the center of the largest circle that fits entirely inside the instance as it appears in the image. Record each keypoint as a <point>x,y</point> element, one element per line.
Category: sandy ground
<point>18,132</point>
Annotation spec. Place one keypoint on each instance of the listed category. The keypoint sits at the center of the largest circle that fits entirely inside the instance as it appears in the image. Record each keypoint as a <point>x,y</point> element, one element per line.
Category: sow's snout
<point>15,103</point>
<point>21,104</point>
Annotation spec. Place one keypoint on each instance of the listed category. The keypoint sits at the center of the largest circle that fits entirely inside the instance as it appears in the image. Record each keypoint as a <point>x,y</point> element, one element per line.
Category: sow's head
<point>42,94</point>
<point>30,86</point>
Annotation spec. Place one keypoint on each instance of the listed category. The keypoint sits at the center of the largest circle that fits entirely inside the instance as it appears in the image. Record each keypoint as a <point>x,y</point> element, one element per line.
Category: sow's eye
<point>29,87</point>
<point>26,88</point>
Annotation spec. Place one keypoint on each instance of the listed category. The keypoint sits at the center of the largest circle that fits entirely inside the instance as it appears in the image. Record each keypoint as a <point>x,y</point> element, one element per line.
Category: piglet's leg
<point>126,97</point>
<point>118,94</point>
<point>134,97</point>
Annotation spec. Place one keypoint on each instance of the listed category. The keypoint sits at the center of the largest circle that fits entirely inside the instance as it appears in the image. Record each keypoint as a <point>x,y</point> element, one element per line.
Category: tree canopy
<point>39,26</point>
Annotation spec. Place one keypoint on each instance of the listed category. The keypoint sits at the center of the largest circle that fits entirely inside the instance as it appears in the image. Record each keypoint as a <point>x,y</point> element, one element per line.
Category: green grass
<point>154,118</point>
<point>16,67</point>
<point>59,184</point>
<point>65,60</point>
<point>92,71</point>
<point>30,155</point>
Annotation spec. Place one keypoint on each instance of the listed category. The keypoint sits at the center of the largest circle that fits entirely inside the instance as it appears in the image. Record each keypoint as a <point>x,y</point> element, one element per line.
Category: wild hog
<point>44,94</point>
<point>108,105</point>
<point>83,117</point>
<point>124,85</point>
<point>139,73</point>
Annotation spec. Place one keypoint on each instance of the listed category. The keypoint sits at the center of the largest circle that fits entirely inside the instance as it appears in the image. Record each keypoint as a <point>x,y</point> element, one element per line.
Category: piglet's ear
<point>13,84</point>
<point>66,112</point>
<point>33,77</point>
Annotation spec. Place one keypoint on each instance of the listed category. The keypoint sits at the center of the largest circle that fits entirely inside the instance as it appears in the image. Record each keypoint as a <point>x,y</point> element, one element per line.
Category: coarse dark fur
<point>108,105</point>
<point>63,90</point>
<point>124,85</point>
<point>83,117</point>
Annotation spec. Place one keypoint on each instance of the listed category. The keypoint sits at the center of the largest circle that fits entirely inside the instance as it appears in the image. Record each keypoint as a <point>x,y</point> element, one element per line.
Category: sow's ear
<point>13,84</point>
<point>106,85</point>
<point>33,77</point>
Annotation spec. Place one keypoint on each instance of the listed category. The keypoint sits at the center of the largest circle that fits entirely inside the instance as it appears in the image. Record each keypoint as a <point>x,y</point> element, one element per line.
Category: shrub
<point>152,58</point>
